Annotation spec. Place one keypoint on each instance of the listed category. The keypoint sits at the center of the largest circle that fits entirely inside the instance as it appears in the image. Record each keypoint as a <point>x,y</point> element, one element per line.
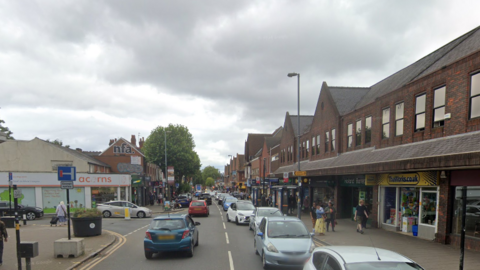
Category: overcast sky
<point>85,72</point>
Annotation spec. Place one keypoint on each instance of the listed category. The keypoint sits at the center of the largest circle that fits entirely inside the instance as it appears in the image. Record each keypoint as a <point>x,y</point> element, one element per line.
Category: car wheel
<point>148,255</point>
<point>250,227</point>
<point>31,216</point>
<point>107,214</point>
<point>190,252</point>
<point>198,237</point>
<point>236,220</point>
<point>264,261</point>
<point>141,214</point>
<point>228,220</point>
<point>255,246</point>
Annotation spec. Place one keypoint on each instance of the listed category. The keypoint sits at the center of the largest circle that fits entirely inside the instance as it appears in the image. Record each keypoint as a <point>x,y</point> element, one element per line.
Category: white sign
<point>17,194</point>
<point>66,184</point>
<point>135,160</point>
<point>92,225</point>
<point>83,179</point>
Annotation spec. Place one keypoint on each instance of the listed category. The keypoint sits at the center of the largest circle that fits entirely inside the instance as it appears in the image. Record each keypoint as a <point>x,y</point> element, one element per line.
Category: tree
<point>210,171</point>
<point>180,150</point>
<point>210,182</point>
<point>58,142</point>
<point>6,130</point>
<point>184,188</point>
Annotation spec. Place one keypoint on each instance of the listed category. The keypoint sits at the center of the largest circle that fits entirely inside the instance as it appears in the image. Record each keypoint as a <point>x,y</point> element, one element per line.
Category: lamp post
<point>298,138</point>
<point>264,196</point>
<point>166,166</point>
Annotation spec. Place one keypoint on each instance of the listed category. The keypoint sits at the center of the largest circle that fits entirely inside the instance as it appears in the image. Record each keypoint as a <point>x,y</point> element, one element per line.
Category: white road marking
<point>231,260</point>
<point>226,236</point>
<point>224,226</point>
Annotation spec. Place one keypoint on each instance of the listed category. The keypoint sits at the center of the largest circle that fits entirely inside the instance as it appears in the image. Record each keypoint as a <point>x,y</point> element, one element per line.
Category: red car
<point>198,208</point>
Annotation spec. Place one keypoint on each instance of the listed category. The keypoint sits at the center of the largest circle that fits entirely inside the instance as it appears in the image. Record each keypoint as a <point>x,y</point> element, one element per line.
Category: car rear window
<point>198,204</point>
<point>167,224</point>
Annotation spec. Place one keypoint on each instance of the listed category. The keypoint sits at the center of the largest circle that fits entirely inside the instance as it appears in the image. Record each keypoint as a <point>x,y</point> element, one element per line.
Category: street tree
<point>6,130</point>
<point>180,150</point>
<point>210,171</point>
<point>210,182</point>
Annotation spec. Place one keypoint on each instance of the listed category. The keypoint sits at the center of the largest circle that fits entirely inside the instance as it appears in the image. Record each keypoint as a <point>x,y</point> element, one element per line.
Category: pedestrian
<point>3,235</point>
<point>290,204</point>
<point>320,224</point>
<point>61,213</point>
<point>330,212</point>
<point>313,215</point>
<point>160,198</point>
<point>364,220</point>
<point>360,214</point>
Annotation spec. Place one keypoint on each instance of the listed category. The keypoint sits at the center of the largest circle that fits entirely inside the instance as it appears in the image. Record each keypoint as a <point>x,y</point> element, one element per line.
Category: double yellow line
<point>103,255</point>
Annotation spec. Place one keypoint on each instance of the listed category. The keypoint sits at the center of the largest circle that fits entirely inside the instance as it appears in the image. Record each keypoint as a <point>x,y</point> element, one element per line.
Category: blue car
<point>184,201</point>
<point>227,202</point>
<point>174,232</point>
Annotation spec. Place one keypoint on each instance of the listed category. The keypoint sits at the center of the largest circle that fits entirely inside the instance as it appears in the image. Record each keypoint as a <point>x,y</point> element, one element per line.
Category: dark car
<point>183,200</point>
<point>207,197</point>
<point>31,212</point>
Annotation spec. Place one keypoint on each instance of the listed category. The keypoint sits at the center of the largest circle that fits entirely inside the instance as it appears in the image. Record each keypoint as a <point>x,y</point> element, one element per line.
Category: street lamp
<point>166,166</point>
<point>298,139</point>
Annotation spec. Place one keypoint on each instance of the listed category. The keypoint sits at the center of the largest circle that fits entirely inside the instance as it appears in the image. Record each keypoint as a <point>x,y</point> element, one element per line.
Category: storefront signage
<point>406,179</point>
<point>123,149</point>
<point>129,168</point>
<point>353,181</point>
<point>170,175</point>
<point>83,179</point>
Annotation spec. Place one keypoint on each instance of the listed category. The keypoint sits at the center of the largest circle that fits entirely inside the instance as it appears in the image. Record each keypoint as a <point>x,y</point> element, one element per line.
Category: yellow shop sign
<point>404,179</point>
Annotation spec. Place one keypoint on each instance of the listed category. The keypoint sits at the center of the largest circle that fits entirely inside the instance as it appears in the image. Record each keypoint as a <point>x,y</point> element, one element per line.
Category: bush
<point>87,213</point>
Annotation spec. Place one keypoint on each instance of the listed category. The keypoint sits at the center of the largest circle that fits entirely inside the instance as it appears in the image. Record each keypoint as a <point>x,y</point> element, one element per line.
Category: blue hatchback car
<point>228,201</point>
<point>174,232</point>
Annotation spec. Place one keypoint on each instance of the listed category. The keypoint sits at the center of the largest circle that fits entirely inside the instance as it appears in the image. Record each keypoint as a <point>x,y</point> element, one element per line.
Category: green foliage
<point>198,178</point>
<point>184,188</point>
<point>58,142</point>
<point>6,130</point>
<point>180,150</point>
<point>209,182</point>
<point>211,172</point>
<point>86,213</point>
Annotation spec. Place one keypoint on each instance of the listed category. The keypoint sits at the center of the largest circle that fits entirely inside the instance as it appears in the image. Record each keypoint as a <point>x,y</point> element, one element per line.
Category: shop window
<point>389,211</point>
<point>368,129</point>
<point>358,133</point>
<point>472,221</point>
<point>399,119</point>
<point>475,96</point>
<point>349,135</point>
<point>333,140</point>
<point>318,144</point>
<point>429,208</point>
<point>327,141</point>
<point>439,107</point>
<point>386,123</point>
<point>313,145</point>
<point>420,112</point>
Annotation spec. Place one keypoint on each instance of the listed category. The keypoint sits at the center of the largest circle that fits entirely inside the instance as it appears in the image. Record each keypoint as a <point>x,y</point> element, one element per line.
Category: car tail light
<point>148,235</point>
<point>185,233</point>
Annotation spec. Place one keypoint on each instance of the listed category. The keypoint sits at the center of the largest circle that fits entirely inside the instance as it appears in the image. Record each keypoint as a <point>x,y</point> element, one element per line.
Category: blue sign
<point>67,173</point>
<point>177,185</point>
<point>10,176</point>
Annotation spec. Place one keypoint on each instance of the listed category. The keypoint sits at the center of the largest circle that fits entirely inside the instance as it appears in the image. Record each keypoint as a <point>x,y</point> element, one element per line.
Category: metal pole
<point>264,197</point>
<point>10,196</point>
<point>17,231</point>
<point>68,213</point>
<point>298,144</point>
<point>29,263</point>
<point>464,216</point>
<point>166,168</point>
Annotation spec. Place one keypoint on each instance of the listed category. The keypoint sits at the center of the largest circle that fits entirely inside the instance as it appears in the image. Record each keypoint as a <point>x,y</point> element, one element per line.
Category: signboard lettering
<point>123,149</point>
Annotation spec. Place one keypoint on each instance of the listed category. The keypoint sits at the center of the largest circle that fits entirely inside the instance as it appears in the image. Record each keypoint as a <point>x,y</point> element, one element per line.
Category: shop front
<point>408,202</point>
<point>322,190</point>
<point>353,189</point>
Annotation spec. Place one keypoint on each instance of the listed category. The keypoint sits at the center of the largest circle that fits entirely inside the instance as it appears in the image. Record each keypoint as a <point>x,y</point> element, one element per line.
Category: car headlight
<point>240,214</point>
<point>312,247</point>
<point>272,248</point>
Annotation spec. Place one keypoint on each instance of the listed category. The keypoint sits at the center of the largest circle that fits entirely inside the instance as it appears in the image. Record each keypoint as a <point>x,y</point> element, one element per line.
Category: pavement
<point>429,254</point>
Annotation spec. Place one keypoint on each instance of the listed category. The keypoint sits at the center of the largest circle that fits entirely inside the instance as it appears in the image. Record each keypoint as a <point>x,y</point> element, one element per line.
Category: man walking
<point>3,235</point>
<point>360,215</point>
<point>330,213</point>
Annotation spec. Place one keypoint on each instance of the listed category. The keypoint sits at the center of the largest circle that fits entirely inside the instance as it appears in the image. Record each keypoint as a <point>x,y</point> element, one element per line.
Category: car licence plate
<point>166,237</point>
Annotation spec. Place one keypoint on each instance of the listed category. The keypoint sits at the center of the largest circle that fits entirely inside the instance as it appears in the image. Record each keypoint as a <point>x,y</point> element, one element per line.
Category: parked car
<point>283,241</point>
<point>174,232</point>
<point>206,197</point>
<point>31,212</point>
<point>260,213</point>
<point>188,195</point>
<point>357,258</point>
<point>240,212</point>
<point>227,202</point>
<point>198,208</point>
<point>183,200</point>
<point>117,209</point>
<point>221,198</point>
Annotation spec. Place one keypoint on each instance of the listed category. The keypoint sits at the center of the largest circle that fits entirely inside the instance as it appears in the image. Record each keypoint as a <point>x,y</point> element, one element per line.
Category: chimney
<point>111,142</point>
<point>140,143</point>
<point>79,150</point>
<point>133,140</point>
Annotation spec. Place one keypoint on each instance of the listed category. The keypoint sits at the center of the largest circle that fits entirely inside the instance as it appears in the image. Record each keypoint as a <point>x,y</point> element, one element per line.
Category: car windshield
<point>245,206</point>
<point>182,197</point>
<point>167,224</point>
<point>287,229</point>
<point>269,213</point>
<point>198,204</point>
<point>230,199</point>
<point>383,265</point>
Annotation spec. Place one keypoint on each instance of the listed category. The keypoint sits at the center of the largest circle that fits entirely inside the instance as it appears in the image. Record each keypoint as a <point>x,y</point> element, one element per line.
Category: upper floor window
<point>291,152</point>
<point>439,107</point>
<point>358,133</point>
<point>313,145</point>
<point>349,135</point>
<point>368,129</point>
<point>308,148</point>
<point>303,149</point>
<point>420,112</point>
<point>399,119</point>
<point>288,153</point>
<point>318,144</point>
<point>333,140</point>
<point>327,141</point>
<point>475,96</point>
<point>386,123</point>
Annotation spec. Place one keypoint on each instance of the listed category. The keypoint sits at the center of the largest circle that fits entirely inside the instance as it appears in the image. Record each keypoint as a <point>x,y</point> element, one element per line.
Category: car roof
<point>167,216</point>
<point>284,218</point>
<point>358,254</point>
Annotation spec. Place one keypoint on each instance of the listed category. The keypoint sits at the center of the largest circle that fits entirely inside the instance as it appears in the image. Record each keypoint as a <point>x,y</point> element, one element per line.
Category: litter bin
<point>415,230</point>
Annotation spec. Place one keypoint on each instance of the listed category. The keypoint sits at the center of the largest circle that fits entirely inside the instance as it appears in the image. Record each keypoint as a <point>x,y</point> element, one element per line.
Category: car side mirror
<point>197,223</point>
<point>260,234</point>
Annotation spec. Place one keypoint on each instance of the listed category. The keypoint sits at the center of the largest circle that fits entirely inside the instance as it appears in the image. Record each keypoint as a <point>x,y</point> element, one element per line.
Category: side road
<point>429,254</point>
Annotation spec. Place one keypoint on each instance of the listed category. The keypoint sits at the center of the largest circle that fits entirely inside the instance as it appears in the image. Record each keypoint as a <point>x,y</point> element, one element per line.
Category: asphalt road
<point>222,245</point>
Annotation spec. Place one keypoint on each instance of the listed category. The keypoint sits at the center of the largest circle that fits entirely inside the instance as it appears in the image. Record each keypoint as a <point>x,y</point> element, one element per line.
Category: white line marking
<point>226,236</point>
<point>231,260</point>
<point>224,226</point>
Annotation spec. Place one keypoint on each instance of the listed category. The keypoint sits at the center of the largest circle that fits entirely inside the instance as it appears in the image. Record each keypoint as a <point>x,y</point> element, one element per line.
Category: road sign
<point>177,185</point>
<point>17,194</point>
<point>10,176</point>
<point>67,173</point>
<point>66,184</point>
<point>300,173</point>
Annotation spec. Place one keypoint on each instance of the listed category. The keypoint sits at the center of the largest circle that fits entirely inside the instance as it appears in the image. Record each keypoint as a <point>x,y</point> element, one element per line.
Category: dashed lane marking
<point>226,236</point>
<point>230,260</point>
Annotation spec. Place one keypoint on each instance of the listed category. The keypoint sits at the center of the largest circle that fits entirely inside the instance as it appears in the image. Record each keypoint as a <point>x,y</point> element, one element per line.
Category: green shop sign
<point>136,181</point>
<point>353,181</point>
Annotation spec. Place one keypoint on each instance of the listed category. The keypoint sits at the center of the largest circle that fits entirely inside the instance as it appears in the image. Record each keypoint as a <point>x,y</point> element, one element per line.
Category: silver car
<point>117,209</point>
<point>358,258</point>
<point>260,213</point>
<point>283,241</point>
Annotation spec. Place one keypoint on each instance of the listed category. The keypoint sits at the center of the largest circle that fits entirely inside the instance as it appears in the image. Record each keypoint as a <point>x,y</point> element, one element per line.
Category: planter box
<point>83,227</point>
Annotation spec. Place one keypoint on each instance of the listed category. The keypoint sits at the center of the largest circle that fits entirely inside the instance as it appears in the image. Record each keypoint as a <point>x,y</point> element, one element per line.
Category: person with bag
<point>61,213</point>
<point>330,213</point>
<point>3,235</point>
<point>320,224</point>
<point>313,215</point>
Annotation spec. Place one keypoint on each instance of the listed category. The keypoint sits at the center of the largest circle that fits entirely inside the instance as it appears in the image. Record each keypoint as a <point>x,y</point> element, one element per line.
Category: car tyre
<point>107,214</point>
<point>148,255</point>
<point>250,227</point>
<point>31,216</point>
<point>198,237</point>
<point>236,221</point>
<point>190,252</point>
<point>264,261</point>
<point>255,246</point>
<point>228,220</point>
<point>141,214</point>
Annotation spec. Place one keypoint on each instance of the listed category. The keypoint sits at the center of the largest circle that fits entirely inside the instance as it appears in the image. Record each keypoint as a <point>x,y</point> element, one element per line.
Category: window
<point>472,221</point>
<point>333,140</point>
<point>429,208</point>
<point>475,96</point>
<point>420,112</point>
<point>308,148</point>
<point>349,135</point>
<point>399,119</point>
<point>386,123</point>
<point>368,129</point>
<point>303,149</point>
<point>318,144</point>
<point>291,152</point>
<point>332,264</point>
<point>327,141</point>
<point>313,145</point>
<point>439,107</point>
<point>358,133</point>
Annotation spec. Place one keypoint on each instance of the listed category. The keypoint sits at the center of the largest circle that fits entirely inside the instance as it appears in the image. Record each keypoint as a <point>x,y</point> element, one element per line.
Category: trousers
<point>1,250</point>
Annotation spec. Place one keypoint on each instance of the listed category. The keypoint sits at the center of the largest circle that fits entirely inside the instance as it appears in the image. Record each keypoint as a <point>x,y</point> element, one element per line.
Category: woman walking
<point>313,216</point>
<point>61,213</point>
<point>320,224</point>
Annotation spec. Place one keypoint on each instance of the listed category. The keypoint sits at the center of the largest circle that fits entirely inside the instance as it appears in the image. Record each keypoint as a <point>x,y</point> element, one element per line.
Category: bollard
<point>127,213</point>
<point>24,219</point>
